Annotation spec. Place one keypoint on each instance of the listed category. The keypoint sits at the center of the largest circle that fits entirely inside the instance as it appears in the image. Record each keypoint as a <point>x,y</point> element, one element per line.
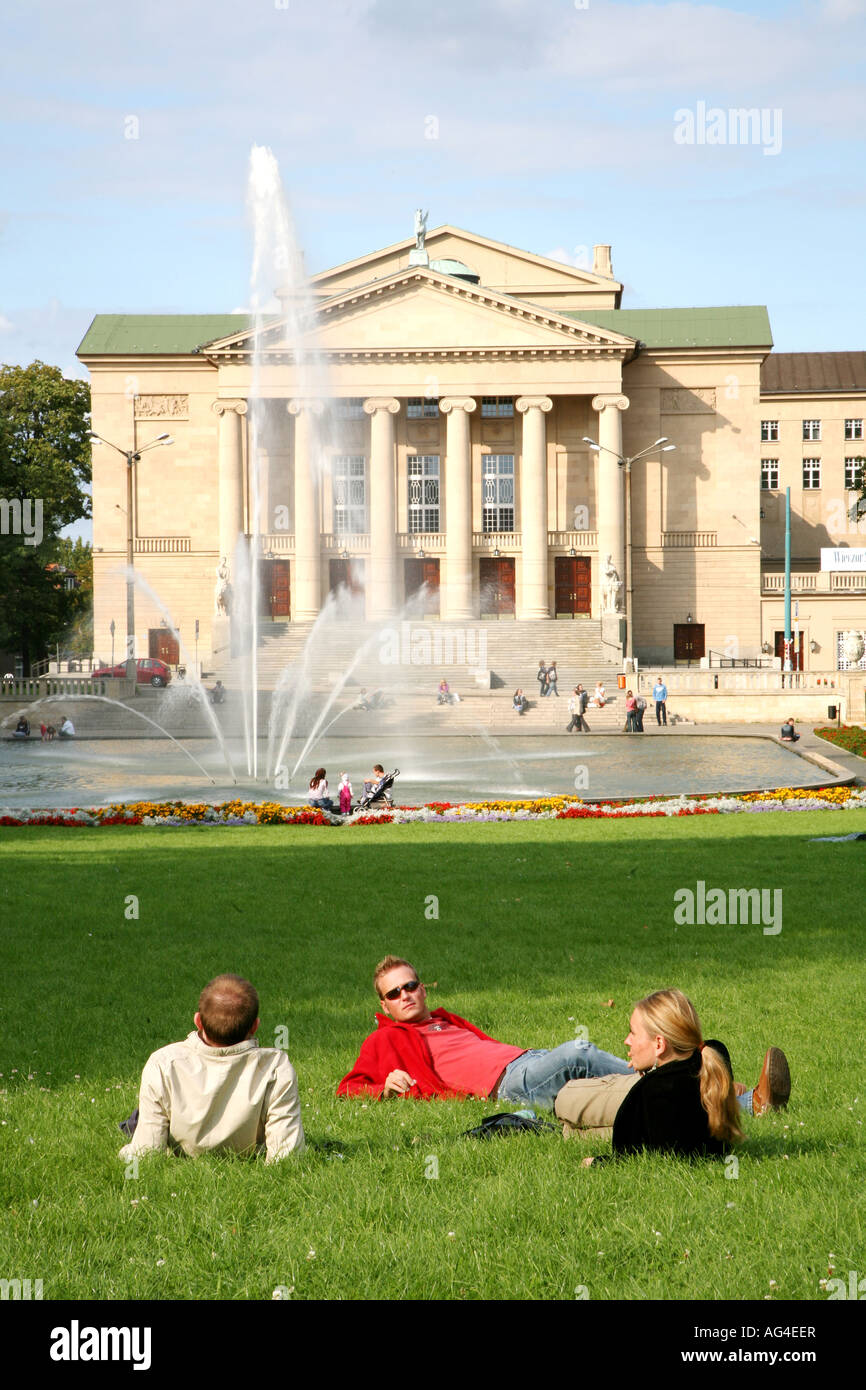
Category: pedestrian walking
<point>577,708</point>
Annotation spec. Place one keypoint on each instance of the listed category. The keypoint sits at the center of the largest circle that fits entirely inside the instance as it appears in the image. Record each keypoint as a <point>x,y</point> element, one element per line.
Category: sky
<point>548,124</point>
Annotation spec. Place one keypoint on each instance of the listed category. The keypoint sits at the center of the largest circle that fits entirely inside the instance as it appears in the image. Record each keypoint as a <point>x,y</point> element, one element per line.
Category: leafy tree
<point>44,472</point>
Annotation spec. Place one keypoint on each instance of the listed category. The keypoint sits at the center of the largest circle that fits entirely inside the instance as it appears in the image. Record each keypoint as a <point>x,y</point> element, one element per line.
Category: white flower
<point>160,1262</point>
<point>311,1254</point>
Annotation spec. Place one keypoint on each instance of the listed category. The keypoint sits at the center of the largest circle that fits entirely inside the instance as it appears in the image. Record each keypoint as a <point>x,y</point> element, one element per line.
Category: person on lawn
<point>417,1052</point>
<point>218,1089</point>
<point>682,1098</point>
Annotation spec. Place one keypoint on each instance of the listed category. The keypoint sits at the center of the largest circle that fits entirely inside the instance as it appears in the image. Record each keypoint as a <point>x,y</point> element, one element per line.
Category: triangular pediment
<point>420,310</point>
<point>500,267</point>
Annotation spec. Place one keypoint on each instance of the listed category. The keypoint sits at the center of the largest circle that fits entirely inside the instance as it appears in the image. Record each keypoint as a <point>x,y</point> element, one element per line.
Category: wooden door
<point>420,572</point>
<point>796,656</point>
<point>348,574</point>
<point>163,645</point>
<point>689,644</point>
<point>497,587</point>
<point>275,590</point>
<point>573,585</point>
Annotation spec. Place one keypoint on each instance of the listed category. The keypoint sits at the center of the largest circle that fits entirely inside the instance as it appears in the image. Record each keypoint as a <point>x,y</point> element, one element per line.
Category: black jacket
<point>664,1111</point>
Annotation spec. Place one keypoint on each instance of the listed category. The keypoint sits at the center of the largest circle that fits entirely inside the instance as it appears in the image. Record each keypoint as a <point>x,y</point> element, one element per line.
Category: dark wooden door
<point>796,656</point>
<point>420,572</point>
<point>275,590</point>
<point>573,584</point>
<point>163,645</point>
<point>689,644</point>
<point>497,587</point>
<point>348,574</point>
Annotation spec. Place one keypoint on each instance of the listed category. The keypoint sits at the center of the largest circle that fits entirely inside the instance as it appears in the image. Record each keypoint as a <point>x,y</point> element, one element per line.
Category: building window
<point>811,473</point>
<point>350,494</point>
<point>497,407</point>
<point>811,429</point>
<point>350,408</point>
<point>422,408</point>
<point>769,474</point>
<point>423,492</point>
<point>769,431</point>
<point>853,429</point>
<point>853,474</point>
<point>498,492</point>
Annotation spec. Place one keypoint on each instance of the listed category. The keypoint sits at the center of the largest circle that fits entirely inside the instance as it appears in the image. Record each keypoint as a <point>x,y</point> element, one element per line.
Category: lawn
<point>542,927</point>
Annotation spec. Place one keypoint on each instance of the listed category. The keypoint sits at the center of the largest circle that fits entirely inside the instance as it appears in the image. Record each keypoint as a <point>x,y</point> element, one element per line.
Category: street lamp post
<point>665,448</point>
<point>132,456</point>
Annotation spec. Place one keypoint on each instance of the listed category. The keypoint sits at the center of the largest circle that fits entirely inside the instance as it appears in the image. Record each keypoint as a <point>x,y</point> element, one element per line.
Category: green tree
<point>44,473</point>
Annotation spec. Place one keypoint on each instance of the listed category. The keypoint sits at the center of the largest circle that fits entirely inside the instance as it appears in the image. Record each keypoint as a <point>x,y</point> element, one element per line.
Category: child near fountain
<point>345,794</point>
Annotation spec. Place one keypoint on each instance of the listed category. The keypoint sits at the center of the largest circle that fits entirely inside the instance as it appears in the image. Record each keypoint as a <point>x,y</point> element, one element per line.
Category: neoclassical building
<point>425,421</point>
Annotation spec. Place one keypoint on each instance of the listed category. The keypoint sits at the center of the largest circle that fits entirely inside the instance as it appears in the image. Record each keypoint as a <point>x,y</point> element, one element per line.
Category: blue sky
<point>554,125</point>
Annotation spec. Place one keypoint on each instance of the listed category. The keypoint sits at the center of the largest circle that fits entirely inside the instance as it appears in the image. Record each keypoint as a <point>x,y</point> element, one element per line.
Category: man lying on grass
<point>419,1053</point>
<point>218,1089</point>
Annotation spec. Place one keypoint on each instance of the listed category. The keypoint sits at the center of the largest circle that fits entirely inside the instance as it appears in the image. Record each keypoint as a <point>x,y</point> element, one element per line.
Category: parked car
<point>148,671</point>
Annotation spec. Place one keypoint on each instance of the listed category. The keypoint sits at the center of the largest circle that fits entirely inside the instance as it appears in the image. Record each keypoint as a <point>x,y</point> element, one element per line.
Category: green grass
<point>540,925</point>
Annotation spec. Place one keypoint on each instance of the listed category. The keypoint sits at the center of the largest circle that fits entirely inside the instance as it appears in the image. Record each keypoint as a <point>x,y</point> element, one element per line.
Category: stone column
<point>382,578</point>
<point>308,541</point>
<point>611,489</point>
<point>231,475</point>
<point>533,506</point>
<point>458,508</point>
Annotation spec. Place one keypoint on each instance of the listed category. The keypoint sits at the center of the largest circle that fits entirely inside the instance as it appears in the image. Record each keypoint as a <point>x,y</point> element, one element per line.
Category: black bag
<point>508,1123</point>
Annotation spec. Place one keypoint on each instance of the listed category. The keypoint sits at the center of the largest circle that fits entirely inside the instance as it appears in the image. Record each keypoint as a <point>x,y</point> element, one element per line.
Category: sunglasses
<point>410,986</point>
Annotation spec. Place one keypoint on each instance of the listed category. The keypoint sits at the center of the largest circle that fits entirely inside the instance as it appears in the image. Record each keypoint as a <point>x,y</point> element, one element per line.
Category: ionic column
<point>308,541</point>
<point>611,484</point>
<point>231,474</point>
<point>533,506</point>
<point>382,578</point>
<point>458,508</point>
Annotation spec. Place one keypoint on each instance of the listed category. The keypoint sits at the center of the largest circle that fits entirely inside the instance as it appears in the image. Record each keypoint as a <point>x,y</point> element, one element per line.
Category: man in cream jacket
<point>218,1089</point>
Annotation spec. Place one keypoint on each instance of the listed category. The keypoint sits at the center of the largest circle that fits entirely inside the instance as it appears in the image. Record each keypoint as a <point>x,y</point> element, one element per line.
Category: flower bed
<point>851,737</point>
<point>170,813</point>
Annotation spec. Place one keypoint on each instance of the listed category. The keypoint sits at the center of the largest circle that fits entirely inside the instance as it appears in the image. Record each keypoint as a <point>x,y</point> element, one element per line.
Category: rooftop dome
<point>457,269</point>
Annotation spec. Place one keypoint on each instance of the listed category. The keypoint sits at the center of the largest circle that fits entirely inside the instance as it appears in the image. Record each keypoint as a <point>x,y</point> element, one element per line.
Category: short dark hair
<point>390,963</point>
<point>377,767</point>
<point>229,1006</point>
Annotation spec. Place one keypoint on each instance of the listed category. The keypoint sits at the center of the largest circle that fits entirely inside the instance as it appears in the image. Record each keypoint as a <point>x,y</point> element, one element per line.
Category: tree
<point>44,472</point>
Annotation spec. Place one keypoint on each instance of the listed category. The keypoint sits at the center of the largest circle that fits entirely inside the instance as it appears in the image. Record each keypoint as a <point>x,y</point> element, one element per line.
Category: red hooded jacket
<point>401,1046</point>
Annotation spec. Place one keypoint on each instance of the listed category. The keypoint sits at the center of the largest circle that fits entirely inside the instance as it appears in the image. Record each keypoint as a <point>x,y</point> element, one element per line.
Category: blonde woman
<point>683,1099</point>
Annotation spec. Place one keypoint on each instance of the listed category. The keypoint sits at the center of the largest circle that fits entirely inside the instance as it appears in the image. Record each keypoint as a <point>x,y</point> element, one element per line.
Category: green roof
<point>116,334</point>
<point>741,325</point>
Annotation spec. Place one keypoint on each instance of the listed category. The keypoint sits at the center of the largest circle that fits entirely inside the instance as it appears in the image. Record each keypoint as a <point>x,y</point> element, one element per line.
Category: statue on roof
<point>420,229</point>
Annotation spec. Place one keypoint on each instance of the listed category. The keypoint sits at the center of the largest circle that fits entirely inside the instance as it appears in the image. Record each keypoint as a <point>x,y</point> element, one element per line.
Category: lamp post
<point>626,462</point>
<point>132,456</point>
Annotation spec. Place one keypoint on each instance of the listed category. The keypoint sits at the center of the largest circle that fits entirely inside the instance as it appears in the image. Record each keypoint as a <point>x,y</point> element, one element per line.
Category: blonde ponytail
<point>671,1015</point>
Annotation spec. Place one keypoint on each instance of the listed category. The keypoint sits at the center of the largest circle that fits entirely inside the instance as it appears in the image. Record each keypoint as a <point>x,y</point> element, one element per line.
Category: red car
<point>149,671</point>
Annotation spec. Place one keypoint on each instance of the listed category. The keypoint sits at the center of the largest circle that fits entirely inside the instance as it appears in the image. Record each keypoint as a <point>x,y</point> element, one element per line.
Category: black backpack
<point>509,1123</point>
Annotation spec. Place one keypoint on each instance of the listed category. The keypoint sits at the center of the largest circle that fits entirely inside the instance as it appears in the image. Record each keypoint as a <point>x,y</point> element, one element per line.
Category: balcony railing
<point>815,582</point>
<point>421,540</point>
<point>161,545</point>
<point>493,540</point>
<point>689,540</point>
<point>578,540</point>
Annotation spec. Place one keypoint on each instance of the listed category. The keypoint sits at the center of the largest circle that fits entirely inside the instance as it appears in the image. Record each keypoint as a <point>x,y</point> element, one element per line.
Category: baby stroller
<point>381,791</point>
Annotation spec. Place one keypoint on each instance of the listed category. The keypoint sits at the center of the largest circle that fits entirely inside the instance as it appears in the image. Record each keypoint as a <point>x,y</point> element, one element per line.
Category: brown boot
<point>774,1086</point>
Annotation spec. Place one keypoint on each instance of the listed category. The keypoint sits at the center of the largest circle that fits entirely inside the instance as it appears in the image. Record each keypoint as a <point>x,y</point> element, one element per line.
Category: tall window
<point>811,429</point>
<point>499,407</point>
<point>498,492</point>
<point>769,474</point>
<point>422,408</point>
<point>350,494</point>
<point>853,429</point>
<point>853,473</point>
<point>769,431</point>
<point>423,492</point>
<point>811,473</point>
<point>350,408</point>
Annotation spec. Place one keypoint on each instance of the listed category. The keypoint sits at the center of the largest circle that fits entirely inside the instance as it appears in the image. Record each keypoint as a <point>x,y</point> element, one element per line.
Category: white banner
<point>842,559</point>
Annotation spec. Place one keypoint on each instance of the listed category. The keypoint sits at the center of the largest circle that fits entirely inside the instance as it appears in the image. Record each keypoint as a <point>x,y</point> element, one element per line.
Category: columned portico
<point>230,457</point>
<point>611,485</point>
<point>458,508</point>
<point>382,581</point>
<point>307,527</point>
<point>533,508</point>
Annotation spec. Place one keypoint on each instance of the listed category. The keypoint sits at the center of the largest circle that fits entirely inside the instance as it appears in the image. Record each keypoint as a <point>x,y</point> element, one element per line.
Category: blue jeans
<point>537,1076</point>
